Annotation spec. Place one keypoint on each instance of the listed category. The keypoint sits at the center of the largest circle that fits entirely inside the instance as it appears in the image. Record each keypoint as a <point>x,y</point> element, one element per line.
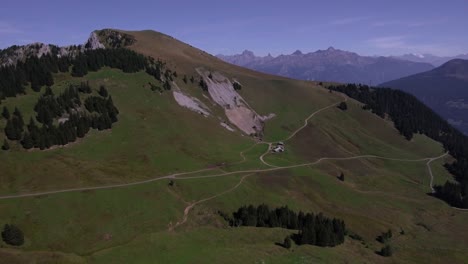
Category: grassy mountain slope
<point>155,137</point>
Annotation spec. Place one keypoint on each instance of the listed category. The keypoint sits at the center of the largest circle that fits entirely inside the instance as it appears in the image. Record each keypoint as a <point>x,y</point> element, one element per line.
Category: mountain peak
<point>331,49</point>
<point>297,52</point>
<point>248,53</point>
<point>456,67</point>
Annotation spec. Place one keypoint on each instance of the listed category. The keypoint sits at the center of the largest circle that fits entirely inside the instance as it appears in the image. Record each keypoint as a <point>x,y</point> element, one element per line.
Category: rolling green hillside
<point>149,189</point>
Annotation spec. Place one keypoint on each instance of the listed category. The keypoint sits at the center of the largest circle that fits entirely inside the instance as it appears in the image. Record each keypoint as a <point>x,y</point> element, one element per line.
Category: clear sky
<point>368,27</point>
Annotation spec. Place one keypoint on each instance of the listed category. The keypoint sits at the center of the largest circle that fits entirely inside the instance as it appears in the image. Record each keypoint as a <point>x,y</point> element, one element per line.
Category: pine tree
<point>27,141</point>
<point>343,106</point>
<point>5,145</point>
<point>203,85</point>
<point>287,242</point>
<point>103,91</point>
<point>11,131</point>
<point>185,79</point>
<point>341,177</point>
<point>6,113</point>
<point>237,86</point>
<point>18,114</point>
<point>167,85</point>
<point>12,235</point>
<point>386,251</point>
<point>48,92</point>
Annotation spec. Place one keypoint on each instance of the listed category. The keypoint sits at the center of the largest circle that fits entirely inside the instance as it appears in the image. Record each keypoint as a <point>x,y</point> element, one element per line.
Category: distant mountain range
<point>330,65</point>
<point>444,89</point>
<point>429,58</point>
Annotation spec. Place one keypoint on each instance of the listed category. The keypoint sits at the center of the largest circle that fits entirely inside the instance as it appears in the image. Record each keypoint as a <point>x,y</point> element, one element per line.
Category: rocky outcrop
<point>114,39</point>
<point>236,109</point>
<point>189,102</point>
<point>93,42</point>
<point>14,54</point>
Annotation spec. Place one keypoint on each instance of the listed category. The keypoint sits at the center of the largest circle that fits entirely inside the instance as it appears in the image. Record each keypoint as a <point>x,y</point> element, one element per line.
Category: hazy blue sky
<point>368,27</point>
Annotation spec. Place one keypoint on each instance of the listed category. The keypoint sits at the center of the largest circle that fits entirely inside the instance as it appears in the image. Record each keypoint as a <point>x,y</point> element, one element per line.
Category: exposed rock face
<point>227,126</point>
<point>114,39</point>
<point>13,54</point>
<point>93,42</point>
<point>236,109</point>
<point>189,102</point>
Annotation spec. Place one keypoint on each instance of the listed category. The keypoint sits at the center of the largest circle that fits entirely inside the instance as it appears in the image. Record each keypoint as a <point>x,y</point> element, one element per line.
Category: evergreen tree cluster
<point>49,107</point>
<point>15,126</point>
<point>98,113</point>
<point>121,58</point>
<point>155,68</point>
<point>104,108</point>
<point>12,235</point>
<point>36,71</point>
<point>411,116</point>
<point>385,237</point>
<point>313,229</point>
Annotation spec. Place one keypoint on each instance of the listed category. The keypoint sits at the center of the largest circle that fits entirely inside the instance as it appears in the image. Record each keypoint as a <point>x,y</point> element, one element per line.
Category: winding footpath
<point>190,206</point>
<point>428,164</point>
<point>306,123</point>
<point>272,168</point>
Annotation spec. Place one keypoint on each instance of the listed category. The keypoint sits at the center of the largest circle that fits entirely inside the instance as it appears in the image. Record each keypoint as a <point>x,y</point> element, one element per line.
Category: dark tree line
<point>62,118</point>
<point>38,71</point>
<point>313,229</point>
<point>93,60</point>
<point>35,71</point>
<point>411,116</point>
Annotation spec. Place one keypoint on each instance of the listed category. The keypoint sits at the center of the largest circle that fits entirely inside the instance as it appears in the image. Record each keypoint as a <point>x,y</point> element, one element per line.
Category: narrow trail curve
<point>428,164</point>
<point>303,165</point>
<point>190,206</point>
<point>306,121</point>
<point>171,176</point>
<point>175,175</point>
<point>264,154</point>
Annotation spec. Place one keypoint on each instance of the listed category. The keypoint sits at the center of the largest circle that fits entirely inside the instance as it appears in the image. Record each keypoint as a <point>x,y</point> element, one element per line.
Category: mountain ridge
<point>429,58</point>
<point>329,65</point>
<point>443,89</point>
